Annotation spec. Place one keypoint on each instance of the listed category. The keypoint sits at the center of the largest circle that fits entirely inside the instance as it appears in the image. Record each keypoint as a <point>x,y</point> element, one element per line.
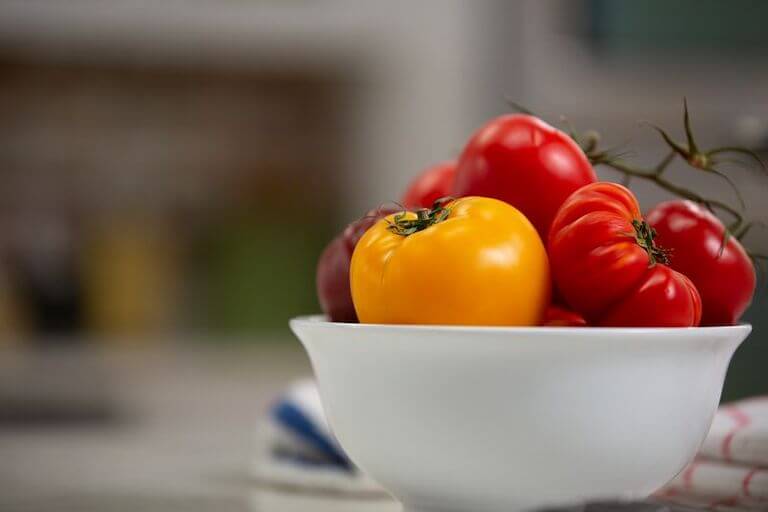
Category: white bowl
<point>502,419</point>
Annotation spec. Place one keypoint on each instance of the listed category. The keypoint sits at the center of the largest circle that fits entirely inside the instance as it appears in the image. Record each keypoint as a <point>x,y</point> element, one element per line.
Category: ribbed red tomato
<point>608,268</point>
<point>429,186</point>
<point>524,161</point>
<point>723,274</point>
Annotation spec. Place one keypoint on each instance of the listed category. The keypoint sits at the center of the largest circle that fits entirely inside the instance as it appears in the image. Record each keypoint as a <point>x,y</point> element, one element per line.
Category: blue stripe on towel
<point>294,420</point>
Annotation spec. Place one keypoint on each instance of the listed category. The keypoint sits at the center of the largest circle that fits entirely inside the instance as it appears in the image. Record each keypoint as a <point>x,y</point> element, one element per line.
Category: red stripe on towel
<point>668,492</point>
<point>688,474</point>
<point>747,480</point>
<point>741,420</point>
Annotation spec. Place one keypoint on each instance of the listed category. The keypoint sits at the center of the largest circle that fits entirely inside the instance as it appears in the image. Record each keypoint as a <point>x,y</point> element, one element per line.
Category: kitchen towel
<point>731,470</point>
<point>296,449</point>
<point>739,433</point>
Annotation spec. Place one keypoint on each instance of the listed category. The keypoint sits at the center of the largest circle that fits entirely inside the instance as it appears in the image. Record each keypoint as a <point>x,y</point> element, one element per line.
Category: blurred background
<point>170,171</point>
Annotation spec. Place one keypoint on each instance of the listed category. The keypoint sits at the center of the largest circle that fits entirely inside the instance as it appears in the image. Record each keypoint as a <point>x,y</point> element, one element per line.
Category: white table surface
<point>178,434</point>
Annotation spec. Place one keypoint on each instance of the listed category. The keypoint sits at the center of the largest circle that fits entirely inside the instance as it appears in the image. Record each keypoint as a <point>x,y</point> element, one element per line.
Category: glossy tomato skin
<point>604,273</point>
<point>332,277</point>
<point>524,161</point>
<point>693,237</point>
<point>432,184</point>
<point>483,265</point>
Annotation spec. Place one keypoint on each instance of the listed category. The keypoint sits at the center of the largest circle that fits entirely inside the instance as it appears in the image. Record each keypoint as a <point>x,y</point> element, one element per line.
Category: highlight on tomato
<point>469,261</point>
<point>525,162</point>
<point>607,266</point>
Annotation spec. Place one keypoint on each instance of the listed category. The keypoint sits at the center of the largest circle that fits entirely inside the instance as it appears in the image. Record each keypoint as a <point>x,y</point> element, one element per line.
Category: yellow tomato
<point>473,261</point>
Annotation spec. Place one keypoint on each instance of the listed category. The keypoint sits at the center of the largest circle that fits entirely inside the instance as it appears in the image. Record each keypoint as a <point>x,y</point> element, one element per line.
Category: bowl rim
<point>318,320</point>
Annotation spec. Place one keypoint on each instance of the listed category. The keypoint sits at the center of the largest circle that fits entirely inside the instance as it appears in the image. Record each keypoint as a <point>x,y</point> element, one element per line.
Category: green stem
<point>425,217</point>
<point>655,176</point>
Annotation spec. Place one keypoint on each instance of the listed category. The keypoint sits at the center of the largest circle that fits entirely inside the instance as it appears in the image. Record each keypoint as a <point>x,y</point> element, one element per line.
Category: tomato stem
<point>702,160</point>
<point>425,217</point>
<point>645,235</point>
<point>689,151</point>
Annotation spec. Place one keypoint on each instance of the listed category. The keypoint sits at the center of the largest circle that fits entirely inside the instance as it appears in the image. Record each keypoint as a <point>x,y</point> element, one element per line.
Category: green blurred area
<point>261,274</point>
<point>625,26</point>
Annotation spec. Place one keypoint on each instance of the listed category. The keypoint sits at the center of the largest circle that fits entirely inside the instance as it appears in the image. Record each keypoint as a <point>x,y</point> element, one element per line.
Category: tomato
<point>429,186</point>
<point>471,261</point>
<point>332,278</point>
<point>607,266</point>
<point>524,161</point>
<point>557,316</point>
<point>723,274</point>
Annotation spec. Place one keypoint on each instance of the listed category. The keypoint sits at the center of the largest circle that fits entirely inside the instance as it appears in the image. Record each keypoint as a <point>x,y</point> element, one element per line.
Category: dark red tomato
<point>332,279</point>
<point>429,186</point>
<point>723,274</point>
<point>524,161</point>
<point>558,316</point>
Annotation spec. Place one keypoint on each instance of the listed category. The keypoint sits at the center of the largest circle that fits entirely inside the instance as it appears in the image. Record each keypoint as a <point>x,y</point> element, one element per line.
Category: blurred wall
<point>219,144</point>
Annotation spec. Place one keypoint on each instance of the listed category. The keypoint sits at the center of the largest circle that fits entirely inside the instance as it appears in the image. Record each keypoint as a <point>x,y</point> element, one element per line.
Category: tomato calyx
<point>644,236</point>
<point>425,217</point>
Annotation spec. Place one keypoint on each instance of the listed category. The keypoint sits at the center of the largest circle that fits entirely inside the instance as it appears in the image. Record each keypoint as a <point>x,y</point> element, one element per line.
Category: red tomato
<point>608,268</point>
<point>557,316</point>
<point>524,161</point>
<point>429,186</point>
<point>723,274</point>
<point>332,279</point>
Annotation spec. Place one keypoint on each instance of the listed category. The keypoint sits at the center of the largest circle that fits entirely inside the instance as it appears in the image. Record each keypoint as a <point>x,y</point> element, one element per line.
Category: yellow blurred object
<point>474,261</point>
<point>130,278</point>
